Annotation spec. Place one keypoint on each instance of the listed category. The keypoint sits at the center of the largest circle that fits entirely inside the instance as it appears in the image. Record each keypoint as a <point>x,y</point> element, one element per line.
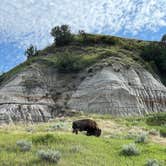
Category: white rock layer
<point>120,91</point>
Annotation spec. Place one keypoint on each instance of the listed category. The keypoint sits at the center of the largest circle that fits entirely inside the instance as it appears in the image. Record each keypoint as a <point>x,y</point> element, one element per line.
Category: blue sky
<point>25,22</point>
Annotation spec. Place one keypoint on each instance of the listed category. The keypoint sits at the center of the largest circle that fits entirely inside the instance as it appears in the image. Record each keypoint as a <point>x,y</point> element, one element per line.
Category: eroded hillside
<point>107,78</point>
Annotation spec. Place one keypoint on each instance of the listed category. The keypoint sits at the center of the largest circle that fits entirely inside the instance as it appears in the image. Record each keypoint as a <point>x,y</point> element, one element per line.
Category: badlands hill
<point>107,75</point>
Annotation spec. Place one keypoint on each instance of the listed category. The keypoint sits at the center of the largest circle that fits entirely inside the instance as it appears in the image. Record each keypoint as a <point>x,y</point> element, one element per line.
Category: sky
<point>25,22</point>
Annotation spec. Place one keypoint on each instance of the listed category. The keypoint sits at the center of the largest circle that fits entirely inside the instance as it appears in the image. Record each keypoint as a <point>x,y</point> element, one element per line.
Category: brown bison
<point>87,125</point>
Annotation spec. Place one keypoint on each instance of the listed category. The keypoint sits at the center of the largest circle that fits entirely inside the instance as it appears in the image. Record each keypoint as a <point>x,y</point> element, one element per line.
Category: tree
<point>31,51</point>
<point>83,35</point>
<point>62,35</point>
<point>163,39</point>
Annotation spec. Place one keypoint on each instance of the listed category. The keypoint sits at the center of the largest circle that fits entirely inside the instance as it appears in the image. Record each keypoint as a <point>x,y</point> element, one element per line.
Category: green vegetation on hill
<point>156,119</point>
<point>155,55</point>
<point>82,50</point>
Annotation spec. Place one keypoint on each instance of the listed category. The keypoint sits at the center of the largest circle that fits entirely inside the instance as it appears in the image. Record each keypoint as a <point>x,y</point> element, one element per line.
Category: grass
<point>157,119</point>
<point>88,151</point>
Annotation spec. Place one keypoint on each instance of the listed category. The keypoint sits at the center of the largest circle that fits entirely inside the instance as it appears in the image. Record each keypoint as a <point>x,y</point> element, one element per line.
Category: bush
<point>163,132</point>
<point>130,150</point>
<point>49,155</point>
<point>111,40</point>
<point>142,138</point>
<point>62,35</point>
<point>24,145</point>
<point>68,63</point>
<point>156,119</point>
<point>155,52</point>
<point>152,162</point>
<point>83,36</point>
<point>128,46</point>
<point>89,38</point>
<point>31,51</point>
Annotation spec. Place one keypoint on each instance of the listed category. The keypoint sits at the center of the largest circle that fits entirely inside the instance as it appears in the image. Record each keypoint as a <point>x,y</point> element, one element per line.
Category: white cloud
<point>30,21</point>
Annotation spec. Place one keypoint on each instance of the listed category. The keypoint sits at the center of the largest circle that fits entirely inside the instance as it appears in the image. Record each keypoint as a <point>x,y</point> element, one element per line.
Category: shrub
<point>68,63</point>
<point>62,35</point>
<point>142,138</point>
<point>43,139</point>
<point>128,46</point>
<point>89,38</point>
<point>31,51</point>
<point>130,150</point>
<point>83,36</point>
<point>49,155</point>
<point>156,119</point>
<point>111,40</point>
<point>163,132</point>
<point>24,145</point>
<point>152,162</point>
<point>155,52</point>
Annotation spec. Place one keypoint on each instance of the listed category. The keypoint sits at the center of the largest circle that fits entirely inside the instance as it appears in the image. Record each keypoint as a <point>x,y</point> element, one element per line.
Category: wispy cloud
<point>30,21</point>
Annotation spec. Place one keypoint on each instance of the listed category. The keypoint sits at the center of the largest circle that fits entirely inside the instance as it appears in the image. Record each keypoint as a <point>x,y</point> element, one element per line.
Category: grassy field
<point>81,150</point>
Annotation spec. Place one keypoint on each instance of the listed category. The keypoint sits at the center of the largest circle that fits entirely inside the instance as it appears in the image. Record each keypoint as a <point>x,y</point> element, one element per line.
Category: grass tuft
<point>152,162</point>
<point>49,155</point>
<point>24,145</point>
<point>130,150</point>
<point>142,138</point>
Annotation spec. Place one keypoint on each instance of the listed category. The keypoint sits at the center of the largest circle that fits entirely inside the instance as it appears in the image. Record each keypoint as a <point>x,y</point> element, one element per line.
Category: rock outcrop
<point>120,91</point>
<point>40,93</point>
<point>36,94</point>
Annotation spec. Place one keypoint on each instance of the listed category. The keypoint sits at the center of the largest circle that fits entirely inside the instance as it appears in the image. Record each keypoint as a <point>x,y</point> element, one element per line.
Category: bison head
<point>98,132</point>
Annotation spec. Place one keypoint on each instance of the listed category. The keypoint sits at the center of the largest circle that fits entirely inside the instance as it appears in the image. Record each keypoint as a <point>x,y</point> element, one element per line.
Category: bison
<point>87,125</point>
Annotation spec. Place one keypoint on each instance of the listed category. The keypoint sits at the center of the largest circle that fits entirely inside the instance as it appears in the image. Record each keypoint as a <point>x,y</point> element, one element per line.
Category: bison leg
<point>75,131</point>
<point>89,133</point>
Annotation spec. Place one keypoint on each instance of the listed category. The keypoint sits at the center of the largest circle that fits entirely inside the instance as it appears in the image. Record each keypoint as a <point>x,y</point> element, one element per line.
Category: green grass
<point>90,151</point>
<point>93,151</point>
